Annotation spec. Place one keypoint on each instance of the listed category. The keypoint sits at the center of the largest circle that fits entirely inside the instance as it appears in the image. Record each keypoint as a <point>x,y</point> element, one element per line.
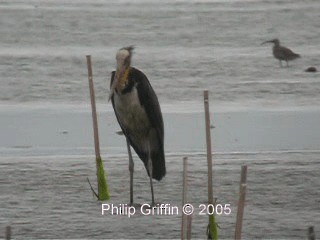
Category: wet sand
<point>63,129</point>
<point>47,154</point>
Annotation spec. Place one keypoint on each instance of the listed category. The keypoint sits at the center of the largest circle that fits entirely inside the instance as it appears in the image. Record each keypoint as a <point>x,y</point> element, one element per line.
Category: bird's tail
<point>297,55</point>
<point>158,165</point>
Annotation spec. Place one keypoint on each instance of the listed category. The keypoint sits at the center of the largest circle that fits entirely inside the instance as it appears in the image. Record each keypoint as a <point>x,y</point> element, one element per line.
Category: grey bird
<point>282,53</point>
<point>138,112</point>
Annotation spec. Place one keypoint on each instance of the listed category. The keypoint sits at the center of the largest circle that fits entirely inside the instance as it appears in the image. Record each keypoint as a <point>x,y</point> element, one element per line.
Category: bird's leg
<point>280,63</point>
<point>131,170</point>
<point>151,183</point>
<point>150,173</point>
<point>287,63</point>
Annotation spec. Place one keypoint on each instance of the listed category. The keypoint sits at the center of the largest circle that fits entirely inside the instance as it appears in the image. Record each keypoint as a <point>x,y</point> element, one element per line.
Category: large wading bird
<point>139,115</point>
<point>282,53</point>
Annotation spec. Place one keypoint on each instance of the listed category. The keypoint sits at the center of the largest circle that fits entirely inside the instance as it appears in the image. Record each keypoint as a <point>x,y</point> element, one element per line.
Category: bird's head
<point>275,41</point>
<point>123,58</point>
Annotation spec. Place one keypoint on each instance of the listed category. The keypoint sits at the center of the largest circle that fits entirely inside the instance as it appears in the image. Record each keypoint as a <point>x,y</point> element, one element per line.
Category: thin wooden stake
<point>8,233</point>
<point>189,226</point>
<point>94,111</point>
<point>209,151</point>
<point>103,192</point>
<point>184,197</point>
<point>311,234</point>
<point>241,203</point>
<point>213,232</point>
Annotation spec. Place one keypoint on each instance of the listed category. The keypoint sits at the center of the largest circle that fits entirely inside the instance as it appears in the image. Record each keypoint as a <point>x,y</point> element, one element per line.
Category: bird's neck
<point>123,81</point>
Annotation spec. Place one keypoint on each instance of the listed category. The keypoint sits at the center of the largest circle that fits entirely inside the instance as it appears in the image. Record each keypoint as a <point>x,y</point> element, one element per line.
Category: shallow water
<point>264,116</point>
<point>49,197</point>
<point>47,154</point>
<point>182,46</point>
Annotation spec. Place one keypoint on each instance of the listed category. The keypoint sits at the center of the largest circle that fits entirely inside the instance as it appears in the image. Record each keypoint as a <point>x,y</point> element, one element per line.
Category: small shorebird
<point>139,115</point>
<point>282,53</point>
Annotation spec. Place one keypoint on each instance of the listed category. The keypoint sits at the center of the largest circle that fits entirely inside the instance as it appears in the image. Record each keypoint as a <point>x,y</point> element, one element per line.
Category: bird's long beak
<point>120,74</point>
<point>270,41</point>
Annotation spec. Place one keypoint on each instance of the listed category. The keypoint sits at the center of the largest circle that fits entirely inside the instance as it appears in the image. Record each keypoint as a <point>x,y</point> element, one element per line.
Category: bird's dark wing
<point>287,54</point>
<point>148,99</point>
<point>150,103</point>
<point>285,51</point>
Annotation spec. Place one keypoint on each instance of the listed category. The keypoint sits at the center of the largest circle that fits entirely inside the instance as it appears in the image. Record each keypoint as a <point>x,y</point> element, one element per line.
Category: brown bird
<point>282,53</point>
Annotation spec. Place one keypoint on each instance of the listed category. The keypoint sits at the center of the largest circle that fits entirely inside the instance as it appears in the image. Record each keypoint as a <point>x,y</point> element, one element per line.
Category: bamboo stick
<point>311,234</point>
<point>94,111</point>
<point>8,233</point>
<point>103,193</point>
<point>209,151</point>
<point>241,203</point>
<point>184,196</point>
<point>212,231</point>
<point>189,226</point>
